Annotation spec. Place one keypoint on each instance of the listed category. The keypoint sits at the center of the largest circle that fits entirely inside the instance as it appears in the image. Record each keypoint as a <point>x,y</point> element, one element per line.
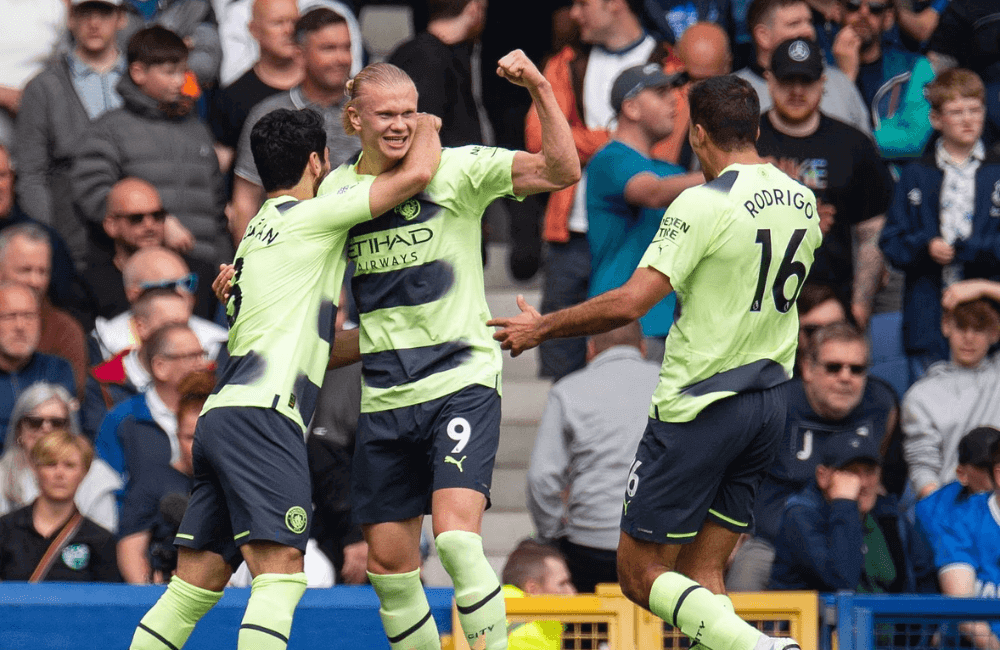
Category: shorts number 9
<point>633,479</point>
<point>459,431</point>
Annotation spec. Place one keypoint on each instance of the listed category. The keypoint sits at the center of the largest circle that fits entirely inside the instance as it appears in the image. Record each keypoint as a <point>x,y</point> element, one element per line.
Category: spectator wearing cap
<point>153,267</point>
<point>890,77</point>
<point>832,394</point>
<point>841,166</point>
<point>21,365</point>
<point>26,258</point>
<point>628,190</point>
<point>136,219</point>
<point>968,555</point>
<point>841,533</point>
<point>942,226</point>
<point>58,106</point>
<point>49,540</point>
<point>954,396</point>
<point>974,475</point>
<point>613,39</point>
<point>773,21</point>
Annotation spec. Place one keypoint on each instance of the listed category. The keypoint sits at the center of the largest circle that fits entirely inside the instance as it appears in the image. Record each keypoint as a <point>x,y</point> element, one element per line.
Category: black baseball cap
<point>975,446</point>
<point>797,57</point>
<point>842,449</point>
<point>634,80</point>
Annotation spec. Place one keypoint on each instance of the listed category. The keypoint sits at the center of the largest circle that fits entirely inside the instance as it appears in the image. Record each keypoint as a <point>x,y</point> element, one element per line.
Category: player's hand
<point>844,485</point>
<point>962,291</point>
<point>354,571</point>
<point>428,121</point>
<point>519,333</point>
<point>941,251</point>
<point>222,282</point>
<point>847,52</point>
<point>518,69</point>
<point>827,212</point>
<point>176,236</point>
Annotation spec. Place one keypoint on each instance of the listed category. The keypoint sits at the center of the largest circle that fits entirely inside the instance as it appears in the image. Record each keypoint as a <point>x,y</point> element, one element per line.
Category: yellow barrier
<point>609,620</point>
<point>590,621</point>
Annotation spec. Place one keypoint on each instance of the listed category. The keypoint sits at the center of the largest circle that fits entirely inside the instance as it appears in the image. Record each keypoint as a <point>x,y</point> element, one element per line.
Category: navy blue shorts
<point>708,468</point>
<point>401,456</point>
<point>251,482</point>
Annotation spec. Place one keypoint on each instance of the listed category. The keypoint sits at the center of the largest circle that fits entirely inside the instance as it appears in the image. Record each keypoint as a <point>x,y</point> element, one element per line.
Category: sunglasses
<point>188,283</point>
<point>35,422</point>
<point>834,368</point>
<point>135,218</point>
<point>875,8</point>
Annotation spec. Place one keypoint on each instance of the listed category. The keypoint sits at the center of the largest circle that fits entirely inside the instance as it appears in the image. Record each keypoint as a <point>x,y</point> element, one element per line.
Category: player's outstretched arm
<point>557,165</point>
<point>414,172</point>
<point>602,313</point>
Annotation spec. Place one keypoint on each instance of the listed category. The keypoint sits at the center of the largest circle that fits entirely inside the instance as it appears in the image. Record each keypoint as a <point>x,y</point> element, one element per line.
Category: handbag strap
<point>69,529</point>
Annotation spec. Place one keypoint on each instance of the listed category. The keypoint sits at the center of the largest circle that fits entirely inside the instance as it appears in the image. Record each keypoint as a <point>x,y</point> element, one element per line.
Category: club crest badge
<point>799,51</point>
<point>76,556</point>
<point>408,209</point>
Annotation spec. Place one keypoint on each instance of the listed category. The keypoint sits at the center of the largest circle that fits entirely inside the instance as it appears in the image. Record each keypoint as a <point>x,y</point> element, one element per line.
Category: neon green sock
<point>478,596</point>
<point>700,614</point>
<point>268,619</point>
<point>406,614</point>
<point>168,624</point>
<point>724,601</point>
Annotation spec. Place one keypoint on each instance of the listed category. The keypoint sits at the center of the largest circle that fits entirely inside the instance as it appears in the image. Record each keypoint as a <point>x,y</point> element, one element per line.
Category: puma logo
<point>456,463</point>
<point>626,506</point>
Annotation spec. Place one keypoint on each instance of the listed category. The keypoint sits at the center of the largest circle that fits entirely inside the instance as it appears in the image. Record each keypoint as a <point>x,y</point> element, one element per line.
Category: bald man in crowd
<point>134,220</point>
<point>703,52</point>
<point>150,268</point>
<point>26,258</point>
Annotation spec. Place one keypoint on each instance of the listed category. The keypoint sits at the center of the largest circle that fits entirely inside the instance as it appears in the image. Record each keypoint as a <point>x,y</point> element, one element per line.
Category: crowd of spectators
<point>126,177</point>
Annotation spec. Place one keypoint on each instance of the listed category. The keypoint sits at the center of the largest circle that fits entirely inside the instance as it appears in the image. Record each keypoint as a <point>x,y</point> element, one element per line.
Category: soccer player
<point>736,250</point>
<point>251,478</point>
<point>430,412</point>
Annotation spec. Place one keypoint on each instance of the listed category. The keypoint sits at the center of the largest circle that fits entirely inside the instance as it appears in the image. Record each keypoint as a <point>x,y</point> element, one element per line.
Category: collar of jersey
<point>627,48</point>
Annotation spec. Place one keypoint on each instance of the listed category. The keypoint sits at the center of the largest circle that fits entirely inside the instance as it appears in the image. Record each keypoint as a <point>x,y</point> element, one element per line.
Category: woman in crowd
<point>49,539</point>
<point>40,409</point>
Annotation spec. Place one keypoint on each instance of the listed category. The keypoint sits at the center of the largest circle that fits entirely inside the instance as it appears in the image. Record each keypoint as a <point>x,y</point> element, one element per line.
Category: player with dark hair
<point>718,411</point>
<point>252,494</point>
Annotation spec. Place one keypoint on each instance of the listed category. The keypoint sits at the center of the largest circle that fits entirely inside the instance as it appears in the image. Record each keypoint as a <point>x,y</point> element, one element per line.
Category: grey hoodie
<point>174,154</point>
<point>944,405</point>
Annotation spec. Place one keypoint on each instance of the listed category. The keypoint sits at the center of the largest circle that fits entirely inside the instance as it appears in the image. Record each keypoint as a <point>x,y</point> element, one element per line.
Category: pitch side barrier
<point>608,621</point>
<point>897,622</point>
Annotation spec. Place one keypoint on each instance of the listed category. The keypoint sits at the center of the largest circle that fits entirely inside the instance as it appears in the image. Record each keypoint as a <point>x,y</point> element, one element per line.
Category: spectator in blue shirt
<point>21,365</point>
<point>627,190</point>
<point>841,533</point>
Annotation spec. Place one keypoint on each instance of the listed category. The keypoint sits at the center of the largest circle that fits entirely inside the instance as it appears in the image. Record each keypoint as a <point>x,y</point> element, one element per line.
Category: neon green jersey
<point>283,304</point>
<point>419,285</point>
<point>737,251</point>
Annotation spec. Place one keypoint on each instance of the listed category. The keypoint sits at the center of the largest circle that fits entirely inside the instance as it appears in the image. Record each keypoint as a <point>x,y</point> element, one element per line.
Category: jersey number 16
<point>789,267</point>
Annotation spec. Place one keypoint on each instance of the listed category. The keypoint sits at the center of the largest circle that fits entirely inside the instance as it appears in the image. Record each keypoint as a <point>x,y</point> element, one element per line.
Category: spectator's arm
<point>93,410</point>
<point>587,140</point>
<point>919,25</point>
<point>970,290</point>
<point>31,154</point>
<point>651,191</point>
<point>97,167</point>
<point>921,444</point>
<point>133,560</point>
<point>548,469</point>
<point>10,99</point>
<point>828,555</point>
<point>226,156</point>
<point>903,240</point>
<point>247,199</point>
<point>959,580</point>
<point>868,269</point>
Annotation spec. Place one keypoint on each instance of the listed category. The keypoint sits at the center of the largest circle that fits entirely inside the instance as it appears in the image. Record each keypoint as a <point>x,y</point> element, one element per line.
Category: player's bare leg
<point>651,576</point>
<point>193,591</point>
<point>394,571</point>
<point>458,519</point>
